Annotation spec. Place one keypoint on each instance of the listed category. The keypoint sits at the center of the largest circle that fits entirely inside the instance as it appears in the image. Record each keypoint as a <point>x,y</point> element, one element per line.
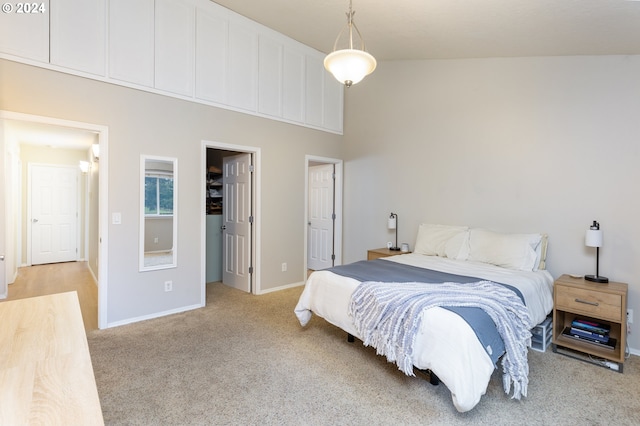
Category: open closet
<point>215,213</point>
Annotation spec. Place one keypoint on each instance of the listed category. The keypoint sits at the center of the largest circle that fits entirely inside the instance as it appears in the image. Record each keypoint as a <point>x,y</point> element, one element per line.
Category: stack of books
<point>591,332</point>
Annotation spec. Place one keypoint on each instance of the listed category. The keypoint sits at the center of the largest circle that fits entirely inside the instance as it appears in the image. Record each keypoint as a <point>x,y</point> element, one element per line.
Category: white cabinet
<point>78,35</point>
<point>270,77</point>
<point>333,97</point>
<point>131,41</point>
<point>211,56</point>
<point>323,95</point>
<point>293,85</point>
<point>26,34</point>
<point>243,67</point>
<point>175,46</point>
<point>314,90</point>
<point>190,49</point>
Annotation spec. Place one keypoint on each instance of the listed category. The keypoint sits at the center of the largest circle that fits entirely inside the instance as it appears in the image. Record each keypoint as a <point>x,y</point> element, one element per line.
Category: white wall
<point>146,123</point>
<point>515,145</point>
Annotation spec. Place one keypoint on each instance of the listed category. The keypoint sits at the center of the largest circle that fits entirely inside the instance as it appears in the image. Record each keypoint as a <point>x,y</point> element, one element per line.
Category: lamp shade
<point>84,166</point>
<point>350,66</point>
<point>95,148</point>
<point>593,238</point>
<point>392,222</point>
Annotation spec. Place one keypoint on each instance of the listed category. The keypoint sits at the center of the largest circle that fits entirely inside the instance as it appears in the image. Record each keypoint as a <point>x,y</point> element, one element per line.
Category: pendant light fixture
<point>350,65</point>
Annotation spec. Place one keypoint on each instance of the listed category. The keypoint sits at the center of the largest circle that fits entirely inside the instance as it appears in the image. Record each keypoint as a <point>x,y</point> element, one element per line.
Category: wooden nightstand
<point>383,252</point>
<point>603,303</point>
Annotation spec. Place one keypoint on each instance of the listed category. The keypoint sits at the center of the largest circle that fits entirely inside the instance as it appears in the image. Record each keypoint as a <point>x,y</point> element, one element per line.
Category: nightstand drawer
<point>588,302</point>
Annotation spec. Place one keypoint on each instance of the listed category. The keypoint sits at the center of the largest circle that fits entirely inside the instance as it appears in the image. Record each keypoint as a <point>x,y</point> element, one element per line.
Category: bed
<point>445,343</point>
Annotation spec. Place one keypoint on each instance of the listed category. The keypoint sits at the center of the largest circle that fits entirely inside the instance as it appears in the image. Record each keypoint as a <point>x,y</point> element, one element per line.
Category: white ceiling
<point>448,29</point>
<point>42,134</point>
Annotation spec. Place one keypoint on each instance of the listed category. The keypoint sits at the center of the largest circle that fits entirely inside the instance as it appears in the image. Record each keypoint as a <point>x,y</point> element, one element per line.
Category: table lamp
<point>594,238</point>
<point>393,224</point>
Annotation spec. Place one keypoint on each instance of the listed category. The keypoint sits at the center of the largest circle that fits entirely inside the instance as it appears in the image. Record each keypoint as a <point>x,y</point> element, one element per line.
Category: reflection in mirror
<point>158,211</point>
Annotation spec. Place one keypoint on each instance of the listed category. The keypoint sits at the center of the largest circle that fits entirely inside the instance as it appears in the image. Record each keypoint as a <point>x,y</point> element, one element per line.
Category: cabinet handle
<point>587,302</point>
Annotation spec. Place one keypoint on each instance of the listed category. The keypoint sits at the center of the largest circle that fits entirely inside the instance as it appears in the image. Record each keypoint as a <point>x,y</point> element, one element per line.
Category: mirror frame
<point>173,263</point>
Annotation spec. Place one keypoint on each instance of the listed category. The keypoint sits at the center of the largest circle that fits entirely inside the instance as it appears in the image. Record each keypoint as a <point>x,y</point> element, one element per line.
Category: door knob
<point>34,220</point>
<point>1,257</point>
<point>223,227</point>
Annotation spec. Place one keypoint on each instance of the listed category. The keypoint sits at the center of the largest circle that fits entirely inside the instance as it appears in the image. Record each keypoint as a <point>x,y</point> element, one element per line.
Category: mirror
<point>158,212</point>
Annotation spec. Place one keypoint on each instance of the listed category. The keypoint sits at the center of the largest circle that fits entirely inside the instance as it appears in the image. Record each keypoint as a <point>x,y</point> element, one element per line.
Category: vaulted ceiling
<point>444,29</point>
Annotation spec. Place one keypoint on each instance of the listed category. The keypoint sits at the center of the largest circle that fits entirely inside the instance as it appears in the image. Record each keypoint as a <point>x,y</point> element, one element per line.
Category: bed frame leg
<point>350,338</point>
<point>433,379</point>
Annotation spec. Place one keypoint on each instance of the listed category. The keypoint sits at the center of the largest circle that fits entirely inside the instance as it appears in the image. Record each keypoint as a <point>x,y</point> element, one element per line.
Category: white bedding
<point>445,343</point>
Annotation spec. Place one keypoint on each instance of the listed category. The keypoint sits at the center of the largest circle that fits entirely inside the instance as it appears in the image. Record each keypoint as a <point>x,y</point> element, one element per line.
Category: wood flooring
<point>54,278</point>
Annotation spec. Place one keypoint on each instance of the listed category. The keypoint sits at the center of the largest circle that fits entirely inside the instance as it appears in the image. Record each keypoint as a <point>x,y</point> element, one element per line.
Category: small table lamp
<point>393,224</point>
<point>594,238</point>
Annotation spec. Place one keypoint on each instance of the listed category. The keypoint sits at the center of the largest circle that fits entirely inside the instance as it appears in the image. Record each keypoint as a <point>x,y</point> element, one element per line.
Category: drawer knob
<point>587,302</point>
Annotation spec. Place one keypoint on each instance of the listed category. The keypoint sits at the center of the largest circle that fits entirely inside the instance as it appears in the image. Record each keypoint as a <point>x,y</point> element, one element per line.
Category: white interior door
<point>54,214</point>
<point>236,221</point>
<point>321,215</point>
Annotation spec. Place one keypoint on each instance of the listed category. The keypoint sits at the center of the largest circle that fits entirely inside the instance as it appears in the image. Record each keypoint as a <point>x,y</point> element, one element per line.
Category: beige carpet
<point>245,360</point>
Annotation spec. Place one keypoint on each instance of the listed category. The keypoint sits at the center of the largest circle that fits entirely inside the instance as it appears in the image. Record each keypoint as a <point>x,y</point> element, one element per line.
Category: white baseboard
<point>283,287</point>
<point>154,315</point>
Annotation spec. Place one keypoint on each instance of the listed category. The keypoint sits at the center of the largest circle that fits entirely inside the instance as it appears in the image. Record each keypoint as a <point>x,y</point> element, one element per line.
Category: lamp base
<point>394,248</point>
<point>596,278</point>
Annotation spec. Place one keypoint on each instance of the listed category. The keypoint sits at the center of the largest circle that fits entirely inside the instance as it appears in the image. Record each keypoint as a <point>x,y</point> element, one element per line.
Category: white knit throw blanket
<point>388,316</point>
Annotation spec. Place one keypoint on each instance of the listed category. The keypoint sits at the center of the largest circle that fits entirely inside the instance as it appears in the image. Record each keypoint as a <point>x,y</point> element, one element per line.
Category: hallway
<point>53,278</point>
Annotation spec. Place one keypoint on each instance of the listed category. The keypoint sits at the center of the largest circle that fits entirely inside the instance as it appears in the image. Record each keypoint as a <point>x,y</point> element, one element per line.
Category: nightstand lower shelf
<point>589,358</point>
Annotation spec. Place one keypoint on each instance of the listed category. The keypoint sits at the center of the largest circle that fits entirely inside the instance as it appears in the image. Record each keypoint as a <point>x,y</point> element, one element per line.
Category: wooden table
<point>46,376</point>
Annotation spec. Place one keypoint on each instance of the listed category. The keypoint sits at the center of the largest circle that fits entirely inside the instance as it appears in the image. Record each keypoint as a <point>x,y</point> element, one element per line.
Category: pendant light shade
<point>350,65</point>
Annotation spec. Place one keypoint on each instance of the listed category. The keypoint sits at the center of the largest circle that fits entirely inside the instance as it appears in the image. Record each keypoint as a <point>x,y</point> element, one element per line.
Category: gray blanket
<point>385,271</point>
<point>388,316</point>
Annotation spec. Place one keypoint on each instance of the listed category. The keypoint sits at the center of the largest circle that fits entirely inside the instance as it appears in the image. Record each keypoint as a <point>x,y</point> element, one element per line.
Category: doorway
<point>231,216</point>
<point>323,215</point>
<point>22,128</point>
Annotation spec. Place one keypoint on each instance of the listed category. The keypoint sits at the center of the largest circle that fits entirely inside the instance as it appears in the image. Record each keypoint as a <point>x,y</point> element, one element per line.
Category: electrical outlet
<point>284,267</point>
<point>630,316</point>
<point>168,286</point>
<point>155,240</point>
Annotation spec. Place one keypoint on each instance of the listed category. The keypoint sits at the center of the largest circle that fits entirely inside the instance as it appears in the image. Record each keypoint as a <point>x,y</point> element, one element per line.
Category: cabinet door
<point>243,66</point>
<point>211,56</point>
<point>314,90</point>
<point>333,96</point>
<point>78,35</point>
<point>270,77</point>
<point>26,34</point>
<point>131,41</point>
<point>293,85</point>
<point>175,46</point>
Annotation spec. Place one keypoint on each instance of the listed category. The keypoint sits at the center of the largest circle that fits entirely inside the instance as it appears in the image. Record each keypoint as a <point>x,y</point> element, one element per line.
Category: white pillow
<point>440,240</point>
<point>512,251</point>
<point>541,253</point>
